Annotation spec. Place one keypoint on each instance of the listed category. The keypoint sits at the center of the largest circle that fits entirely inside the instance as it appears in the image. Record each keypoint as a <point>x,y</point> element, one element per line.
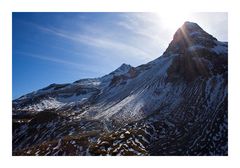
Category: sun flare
<point>173,20</point>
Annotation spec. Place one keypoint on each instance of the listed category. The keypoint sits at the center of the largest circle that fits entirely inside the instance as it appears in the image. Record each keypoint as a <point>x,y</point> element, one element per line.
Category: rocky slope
<point>173,105</point>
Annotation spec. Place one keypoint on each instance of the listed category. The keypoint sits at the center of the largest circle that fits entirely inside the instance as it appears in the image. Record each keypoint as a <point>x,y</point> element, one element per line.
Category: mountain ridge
<point>166,100</point>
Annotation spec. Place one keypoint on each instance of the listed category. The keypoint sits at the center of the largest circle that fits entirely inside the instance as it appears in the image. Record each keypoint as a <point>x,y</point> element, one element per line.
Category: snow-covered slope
<point>56,96</point>
<point>179,97</point>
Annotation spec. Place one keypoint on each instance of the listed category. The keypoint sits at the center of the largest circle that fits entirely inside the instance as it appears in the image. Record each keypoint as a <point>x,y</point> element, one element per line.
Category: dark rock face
<point>195,59</point>
<point>174,105</point>
<point>187,68</point>
<point>188,35</point>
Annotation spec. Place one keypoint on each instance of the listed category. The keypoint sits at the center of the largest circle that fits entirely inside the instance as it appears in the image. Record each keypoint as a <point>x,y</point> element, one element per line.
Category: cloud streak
<point>75,65</point>
<point>99,41</point>
<point>138,36</point>
<point>148,27</point>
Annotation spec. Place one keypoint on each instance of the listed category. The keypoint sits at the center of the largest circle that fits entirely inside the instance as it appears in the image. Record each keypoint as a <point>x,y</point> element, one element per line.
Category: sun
<point>173,20</point>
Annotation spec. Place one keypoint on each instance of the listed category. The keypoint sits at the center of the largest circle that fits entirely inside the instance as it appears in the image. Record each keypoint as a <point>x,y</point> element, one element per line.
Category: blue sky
<point>65,47</point>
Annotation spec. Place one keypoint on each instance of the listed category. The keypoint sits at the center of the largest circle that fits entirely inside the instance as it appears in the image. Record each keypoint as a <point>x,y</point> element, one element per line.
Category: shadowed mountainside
<point>173,105</point>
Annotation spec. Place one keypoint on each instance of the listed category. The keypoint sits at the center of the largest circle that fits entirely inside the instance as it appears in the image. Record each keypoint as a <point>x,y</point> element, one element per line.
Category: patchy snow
<point>220,48</point>
<point>50,103</point>
<point>75,98</point>
<point>87,82</point>
<point>214,89</point>
<point>127,132</point>
<point>58,144</point>
<point>122,136</point>
<point>195,47</point>
<point>139,143</point>
<point>123,69</point>
<point>58,102</point>
<point>134,99</point>
<point>143,138</point>
<point>195,33</point>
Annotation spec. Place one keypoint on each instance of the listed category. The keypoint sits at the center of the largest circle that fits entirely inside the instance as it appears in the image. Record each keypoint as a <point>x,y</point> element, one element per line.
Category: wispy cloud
<point>82,67</point>
<point>99,41</point>
<point>148,26</point>
<point>130,36</point>
<point>145,25</point>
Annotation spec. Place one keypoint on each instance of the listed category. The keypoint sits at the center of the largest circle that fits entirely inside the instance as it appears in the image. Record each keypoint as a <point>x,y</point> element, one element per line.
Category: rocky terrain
<point>176,104</point>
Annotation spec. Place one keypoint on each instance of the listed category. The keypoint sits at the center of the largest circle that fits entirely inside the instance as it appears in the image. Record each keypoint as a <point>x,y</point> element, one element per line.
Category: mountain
<point>173,105</point>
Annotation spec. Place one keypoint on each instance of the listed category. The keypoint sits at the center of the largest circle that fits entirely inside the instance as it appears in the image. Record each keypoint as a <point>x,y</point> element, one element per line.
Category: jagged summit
<point>124,68</point>
<point>191,26</point>
<point>192,29</point>
<point>190,35</point>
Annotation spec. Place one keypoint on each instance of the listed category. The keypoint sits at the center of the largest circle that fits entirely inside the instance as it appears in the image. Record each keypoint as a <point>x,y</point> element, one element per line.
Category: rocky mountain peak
<point>124,68</point>
<point>189,35</point>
